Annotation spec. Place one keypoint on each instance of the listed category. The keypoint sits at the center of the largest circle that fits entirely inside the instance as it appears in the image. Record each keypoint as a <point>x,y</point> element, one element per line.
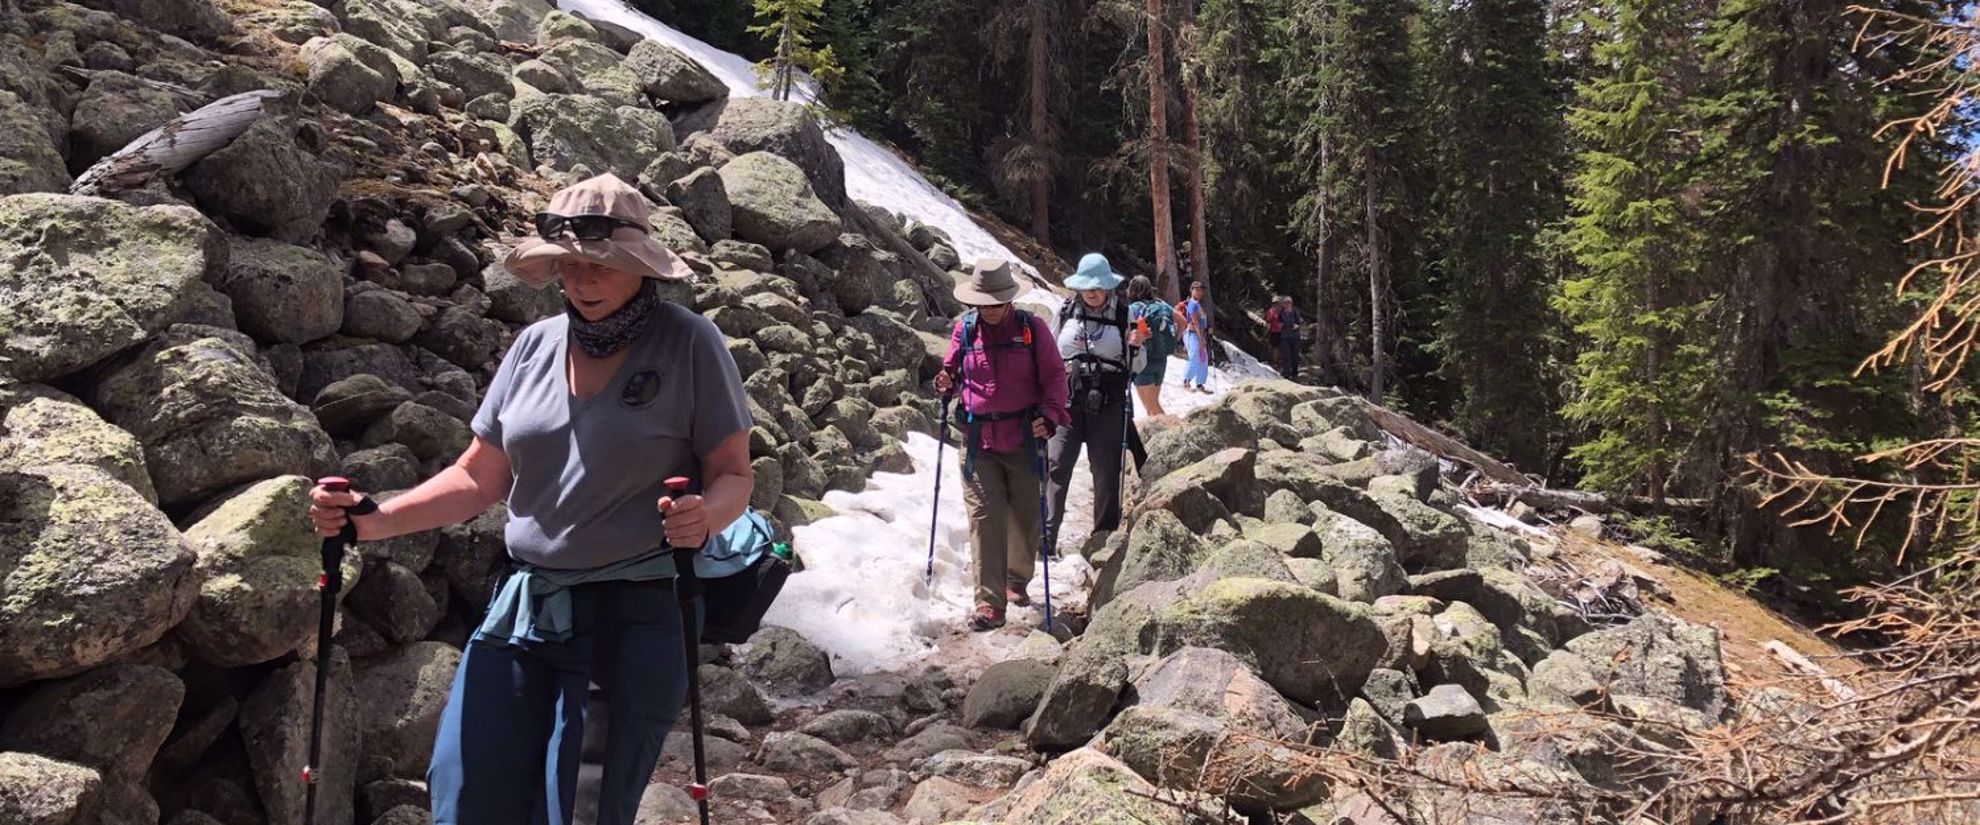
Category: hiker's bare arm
<point>691,520</point>
<point>473,483</point>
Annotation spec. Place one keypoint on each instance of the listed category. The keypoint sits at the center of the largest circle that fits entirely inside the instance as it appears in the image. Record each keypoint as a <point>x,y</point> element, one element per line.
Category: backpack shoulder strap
<point>969,331</point>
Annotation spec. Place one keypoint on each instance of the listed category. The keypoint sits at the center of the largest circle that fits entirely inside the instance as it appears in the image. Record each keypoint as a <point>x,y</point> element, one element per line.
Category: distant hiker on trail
<point>1103,352</point>
<point>1196,338</point>
<point>1282,325</point>
<point>1013,395</point>
<point>589,412</point>
<point>1146,311</point>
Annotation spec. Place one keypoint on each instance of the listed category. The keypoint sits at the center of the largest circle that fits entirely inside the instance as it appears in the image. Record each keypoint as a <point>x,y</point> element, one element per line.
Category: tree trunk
<point>780,80</point>
<point>1199,239</point>
<point>1378,289</point>
<point>1041,124</point>
<point>1158,154</point>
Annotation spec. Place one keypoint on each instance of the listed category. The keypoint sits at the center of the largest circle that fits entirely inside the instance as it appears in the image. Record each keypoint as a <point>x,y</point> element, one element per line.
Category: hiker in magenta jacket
<point>1013,394</point>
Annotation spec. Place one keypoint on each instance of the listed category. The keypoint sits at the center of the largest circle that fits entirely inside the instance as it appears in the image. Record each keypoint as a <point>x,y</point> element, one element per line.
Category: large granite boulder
<point>784,128</point>
<point>274,725</point>
<point>774,205</point>
<point>1082,787</point>
<point>41,425</point>
<point>89,571</point>
<point>209,417</point>
<point>29,160</point>
<point>258,563</point>
<point>566,130</point>
<point>267,183</point>
<point>91,276</point>
<point>668,76</point>
<point>349,73</point>
<point>283,293</point>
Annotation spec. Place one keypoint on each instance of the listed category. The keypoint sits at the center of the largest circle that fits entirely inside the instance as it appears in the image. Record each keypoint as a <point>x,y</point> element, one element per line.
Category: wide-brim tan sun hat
<point>990,283</point>
<point>534,260</point>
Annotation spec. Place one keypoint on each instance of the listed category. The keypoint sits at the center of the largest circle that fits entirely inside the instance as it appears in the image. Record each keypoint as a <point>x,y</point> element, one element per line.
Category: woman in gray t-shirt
<point>587,415</point>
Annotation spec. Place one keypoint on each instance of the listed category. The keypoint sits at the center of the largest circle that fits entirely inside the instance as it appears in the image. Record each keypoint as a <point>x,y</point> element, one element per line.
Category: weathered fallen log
<point>1502,484</point>
<point>1444,445</point>
<point>174,146</point>
<point>1493,493</point>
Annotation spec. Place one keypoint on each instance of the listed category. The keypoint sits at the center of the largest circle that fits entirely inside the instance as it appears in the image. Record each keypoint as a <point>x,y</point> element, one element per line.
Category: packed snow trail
<point>873,174</point>
<point>862,597</point>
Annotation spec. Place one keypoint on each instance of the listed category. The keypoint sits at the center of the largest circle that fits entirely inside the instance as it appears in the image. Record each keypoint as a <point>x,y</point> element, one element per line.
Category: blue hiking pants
<point>1199,360</point>
<point>511,737</point>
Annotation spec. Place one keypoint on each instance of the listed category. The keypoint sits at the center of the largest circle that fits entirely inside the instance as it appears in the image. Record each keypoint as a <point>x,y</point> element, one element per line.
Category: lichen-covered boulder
<point>668,76</point>
<point>566,130</point>
<point>1180,749</point>
<point>774,205</point>
<point>209,417</point>
<point>41,425</point>
<point>266,182</point>
<point>404,693</point>
<point>40,791</point>
<point>283,293</point>
<point>112,719</point>
<point>113,111</point>
<point>89,571</point>
<point>1659,656</point>
<point>274,725</point>
<point>349,73</point>
<point>258,563</point>
<point>90,276</point>
<point>1083,788</point>
<point>784,128</point>
<point>29,161</point>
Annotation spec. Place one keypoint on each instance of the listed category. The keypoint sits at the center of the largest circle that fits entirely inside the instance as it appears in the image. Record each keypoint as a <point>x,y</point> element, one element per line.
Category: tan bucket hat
<point>534,260</point>
<point>990,283</point>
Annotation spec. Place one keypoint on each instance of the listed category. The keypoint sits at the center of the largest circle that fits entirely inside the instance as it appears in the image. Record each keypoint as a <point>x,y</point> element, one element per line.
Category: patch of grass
<point>1747,579</point>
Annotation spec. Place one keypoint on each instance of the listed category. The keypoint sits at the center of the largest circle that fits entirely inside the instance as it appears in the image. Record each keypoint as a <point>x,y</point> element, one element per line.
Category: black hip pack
<point>740,573</point>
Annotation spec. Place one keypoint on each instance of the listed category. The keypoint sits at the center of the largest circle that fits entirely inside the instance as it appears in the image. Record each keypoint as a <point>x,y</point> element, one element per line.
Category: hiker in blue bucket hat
<point>1103,351</point>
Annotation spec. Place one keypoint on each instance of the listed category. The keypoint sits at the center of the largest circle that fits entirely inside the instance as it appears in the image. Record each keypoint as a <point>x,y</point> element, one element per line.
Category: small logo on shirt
<point>641,389</point>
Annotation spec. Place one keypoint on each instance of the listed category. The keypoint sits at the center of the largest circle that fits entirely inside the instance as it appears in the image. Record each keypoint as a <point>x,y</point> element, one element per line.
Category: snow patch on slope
<point>873,174</point>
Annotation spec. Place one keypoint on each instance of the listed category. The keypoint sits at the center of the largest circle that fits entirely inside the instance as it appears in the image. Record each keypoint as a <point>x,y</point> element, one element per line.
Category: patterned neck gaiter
<point>613,332</point>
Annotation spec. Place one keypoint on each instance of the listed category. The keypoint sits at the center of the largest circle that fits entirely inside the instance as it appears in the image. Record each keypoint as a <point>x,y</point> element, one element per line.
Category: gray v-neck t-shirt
<point>587,472</point>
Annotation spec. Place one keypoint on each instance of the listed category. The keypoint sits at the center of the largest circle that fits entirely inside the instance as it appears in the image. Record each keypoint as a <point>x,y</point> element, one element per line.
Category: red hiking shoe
<point>986,618</point>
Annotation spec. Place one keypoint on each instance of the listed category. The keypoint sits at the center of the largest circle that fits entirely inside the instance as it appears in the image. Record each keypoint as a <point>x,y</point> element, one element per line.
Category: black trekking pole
<point>941,440</point>
<point>328,583</point>
<point>688,589</point>
<point>1045,533</point>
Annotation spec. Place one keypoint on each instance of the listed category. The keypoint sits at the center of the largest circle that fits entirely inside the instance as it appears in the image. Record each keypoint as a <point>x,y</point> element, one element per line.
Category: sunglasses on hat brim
<point>554,227</point>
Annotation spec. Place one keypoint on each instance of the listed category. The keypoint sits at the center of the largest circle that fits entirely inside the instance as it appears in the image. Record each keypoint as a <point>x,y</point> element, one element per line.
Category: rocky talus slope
<point>178,358</point>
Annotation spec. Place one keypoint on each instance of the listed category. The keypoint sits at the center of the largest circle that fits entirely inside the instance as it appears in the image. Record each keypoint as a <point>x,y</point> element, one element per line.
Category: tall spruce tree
<point>1497,119</point>
<point>1639,297</point>
<point>1360,53</point>
<point>1803,242</point>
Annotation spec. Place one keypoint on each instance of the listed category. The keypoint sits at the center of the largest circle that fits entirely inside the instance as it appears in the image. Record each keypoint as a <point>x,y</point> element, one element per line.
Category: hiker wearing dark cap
<point>1102,349</point>
<point>587,415</point>
<point>1282,325</point>
<point>1013,394</point>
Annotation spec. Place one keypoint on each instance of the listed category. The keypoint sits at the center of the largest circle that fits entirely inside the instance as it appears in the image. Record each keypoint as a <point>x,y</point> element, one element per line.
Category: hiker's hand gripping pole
<point>328,584</point>
<point>689,589</point>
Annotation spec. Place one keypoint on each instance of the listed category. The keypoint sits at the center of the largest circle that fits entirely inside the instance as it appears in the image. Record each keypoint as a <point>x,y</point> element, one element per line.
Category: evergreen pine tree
<point>1497,124</point>
<point>1638,299</point>
<point>790,25</point>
